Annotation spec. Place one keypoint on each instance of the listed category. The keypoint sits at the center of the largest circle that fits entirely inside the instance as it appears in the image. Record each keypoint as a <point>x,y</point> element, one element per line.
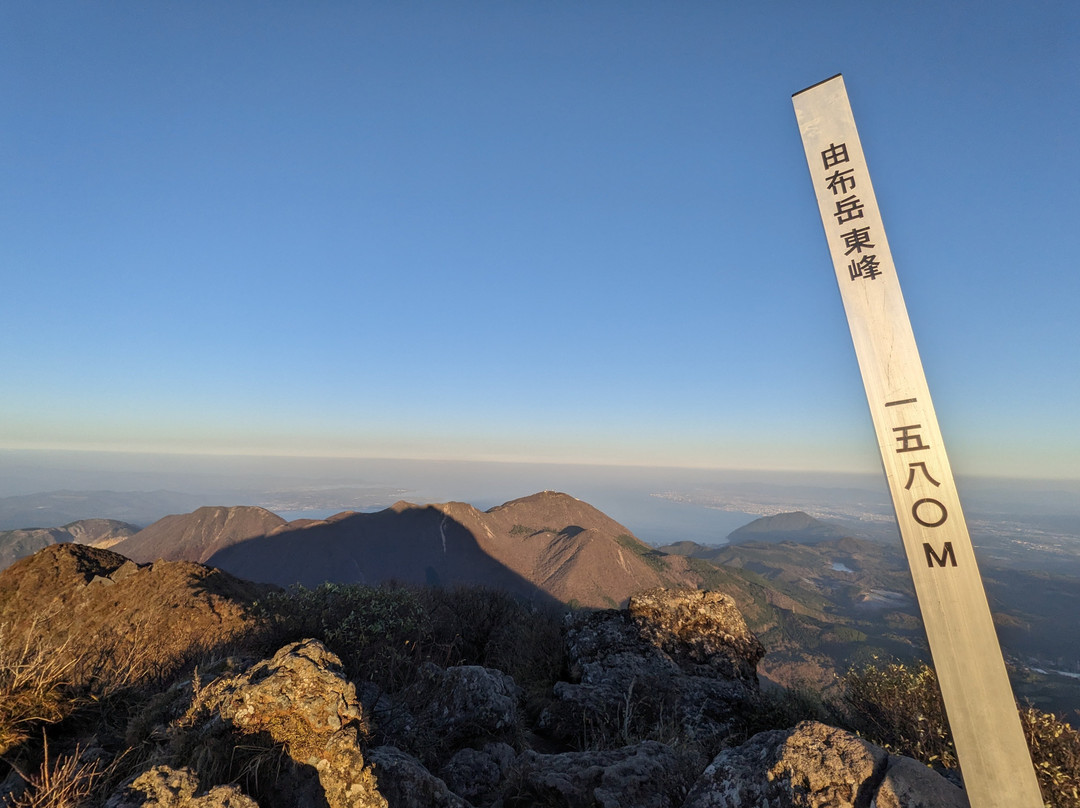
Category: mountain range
<point>819,600</point>
<point>14,544</point>
<point>548,546</point>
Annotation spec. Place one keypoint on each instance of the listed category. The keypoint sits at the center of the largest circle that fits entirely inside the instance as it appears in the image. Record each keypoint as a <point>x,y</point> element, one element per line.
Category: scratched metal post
<point>982,713</point>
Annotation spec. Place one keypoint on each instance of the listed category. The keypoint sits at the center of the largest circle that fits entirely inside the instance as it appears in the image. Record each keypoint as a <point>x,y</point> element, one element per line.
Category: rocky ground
<point>656,705</point>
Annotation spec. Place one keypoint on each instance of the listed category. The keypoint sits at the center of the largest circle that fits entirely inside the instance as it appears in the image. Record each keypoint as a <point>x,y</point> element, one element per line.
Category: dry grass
<point>35,685</point>
<point>66,782</point>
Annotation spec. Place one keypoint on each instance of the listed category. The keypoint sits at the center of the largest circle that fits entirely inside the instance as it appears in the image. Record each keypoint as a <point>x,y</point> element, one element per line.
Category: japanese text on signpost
<point>978,699</point>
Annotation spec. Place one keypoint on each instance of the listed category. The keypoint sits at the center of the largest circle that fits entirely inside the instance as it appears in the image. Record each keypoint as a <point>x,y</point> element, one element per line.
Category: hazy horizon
<point>658,504</point>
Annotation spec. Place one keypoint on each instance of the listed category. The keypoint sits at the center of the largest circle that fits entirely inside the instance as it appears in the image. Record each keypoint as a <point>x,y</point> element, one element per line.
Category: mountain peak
<point>198,535</point>
<point>548,545</point>
<point>796,526</point>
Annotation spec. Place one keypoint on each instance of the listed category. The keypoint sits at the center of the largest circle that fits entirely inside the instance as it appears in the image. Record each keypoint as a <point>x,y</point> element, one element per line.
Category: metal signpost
<point>982,713</point>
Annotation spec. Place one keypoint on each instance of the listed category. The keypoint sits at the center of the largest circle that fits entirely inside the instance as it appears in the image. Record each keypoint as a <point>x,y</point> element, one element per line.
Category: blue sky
<point>557,231</point>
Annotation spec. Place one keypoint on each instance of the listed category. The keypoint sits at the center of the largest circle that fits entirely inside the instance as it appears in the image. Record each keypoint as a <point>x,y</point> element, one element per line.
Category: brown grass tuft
<point>35,685</point>
<point>66,782</point>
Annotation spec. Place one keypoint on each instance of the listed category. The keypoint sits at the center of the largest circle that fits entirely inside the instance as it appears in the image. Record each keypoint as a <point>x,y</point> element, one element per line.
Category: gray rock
<point>407,784</point>
<point>164,787</point>
<point>300,692</point>
<point>817,766</point>
<point>460,706</point>
<point>677,664</point>
<point>478,774</point>
<point>645,775</point>
<point>701,631</point>
<point>301,699</point>
<point>470,700</point>
<point>911,784</point>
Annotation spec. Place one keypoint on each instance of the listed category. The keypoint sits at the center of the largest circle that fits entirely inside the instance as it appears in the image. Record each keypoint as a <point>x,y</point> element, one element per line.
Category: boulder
<point>644,775</point>
<point>295,715</point>
<point>303,701</point>
<point>445,710</point>
<point>407,784</point>
<point>677,664</point>
<point>477,774</point>
<point>817,766</point>
<point>164,787</point>
<point>469,702</point>
<point>911,784</point>
<point>701,631</point>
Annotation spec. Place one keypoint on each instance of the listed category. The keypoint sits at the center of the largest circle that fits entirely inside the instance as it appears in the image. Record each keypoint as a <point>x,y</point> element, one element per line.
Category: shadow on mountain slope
<point>407,544</point>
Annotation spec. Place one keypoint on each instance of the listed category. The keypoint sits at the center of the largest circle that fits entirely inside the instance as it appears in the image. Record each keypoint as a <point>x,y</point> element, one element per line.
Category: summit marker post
<point>979,702</point>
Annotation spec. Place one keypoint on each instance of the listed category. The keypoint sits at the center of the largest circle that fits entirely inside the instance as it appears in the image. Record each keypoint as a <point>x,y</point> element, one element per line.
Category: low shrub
<point>490,627</point>
<point>1055,750</point>
<point>383,634</point>
<point>900,707</point>
<point>380,633</point>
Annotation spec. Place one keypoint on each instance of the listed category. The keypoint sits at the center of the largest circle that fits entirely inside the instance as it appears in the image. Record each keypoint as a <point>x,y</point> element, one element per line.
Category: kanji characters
<point>856,240</point>
<point>865,267</point>
<point>834,155</point>
<point>848,208</point>
<point>927,511</point>
<point>842,181</point>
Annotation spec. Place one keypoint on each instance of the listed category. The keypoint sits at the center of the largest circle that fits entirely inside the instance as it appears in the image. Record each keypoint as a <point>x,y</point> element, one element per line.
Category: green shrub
<point>900,707</point>
<point>380,633</point>
<point>1055,750</point>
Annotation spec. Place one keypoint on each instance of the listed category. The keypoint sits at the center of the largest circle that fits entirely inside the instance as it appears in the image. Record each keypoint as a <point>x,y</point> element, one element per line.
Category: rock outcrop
<point>643,775</point>
<point>165,787</point>
<point>817,766</point>
<point>297,704</point>
<point>303,701</point>
<point>468,704</point>
<point>406,783</point>
<point>652,713</point>
<point>478,775</point>
<point>680,658</point>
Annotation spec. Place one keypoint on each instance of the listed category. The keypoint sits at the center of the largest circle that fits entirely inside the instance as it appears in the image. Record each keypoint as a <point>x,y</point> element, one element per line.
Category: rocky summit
<point>352,696</point>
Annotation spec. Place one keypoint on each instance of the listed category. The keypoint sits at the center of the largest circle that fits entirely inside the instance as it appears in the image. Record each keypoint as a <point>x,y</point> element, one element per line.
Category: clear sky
<point>554,231</point>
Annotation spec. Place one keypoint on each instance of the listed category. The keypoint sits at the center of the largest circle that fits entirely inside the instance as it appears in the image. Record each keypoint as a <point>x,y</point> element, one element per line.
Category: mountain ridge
<point>16,544</point>
<point>196,536</point>
<point>548,546</point>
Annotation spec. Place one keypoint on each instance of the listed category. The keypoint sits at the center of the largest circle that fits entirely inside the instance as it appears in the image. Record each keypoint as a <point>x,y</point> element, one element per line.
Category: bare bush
<point>66,782</point>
